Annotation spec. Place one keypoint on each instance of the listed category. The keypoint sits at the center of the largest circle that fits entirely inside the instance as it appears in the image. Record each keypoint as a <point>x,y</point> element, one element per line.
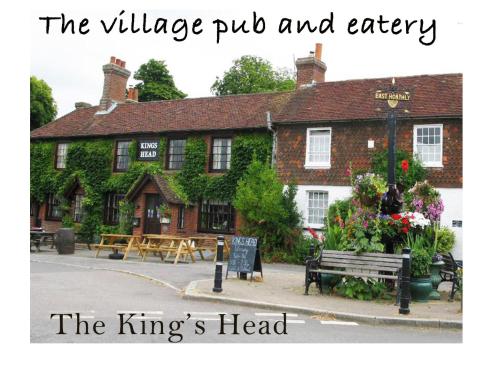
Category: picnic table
<point>109,241</point>
<point>205,243</point>
<point>166,244</point>
<point>39,236</point>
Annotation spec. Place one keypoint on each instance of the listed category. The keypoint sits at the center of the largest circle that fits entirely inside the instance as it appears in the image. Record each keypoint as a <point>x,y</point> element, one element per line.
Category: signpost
<point>245,256</point>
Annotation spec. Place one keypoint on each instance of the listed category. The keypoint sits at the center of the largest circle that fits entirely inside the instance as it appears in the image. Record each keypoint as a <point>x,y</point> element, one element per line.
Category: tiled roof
<point>168,195</point>
<point>432,95</point>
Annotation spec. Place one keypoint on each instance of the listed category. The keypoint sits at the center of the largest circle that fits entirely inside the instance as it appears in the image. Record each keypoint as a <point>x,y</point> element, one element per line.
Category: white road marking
<point>275,314</point>
<point>208,319</point>
<point>145,312</point>
<point>204,313</point>
<point>347,323</point>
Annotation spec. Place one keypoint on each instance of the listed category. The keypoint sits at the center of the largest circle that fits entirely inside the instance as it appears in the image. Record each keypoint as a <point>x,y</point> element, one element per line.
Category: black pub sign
<point>148,150</point>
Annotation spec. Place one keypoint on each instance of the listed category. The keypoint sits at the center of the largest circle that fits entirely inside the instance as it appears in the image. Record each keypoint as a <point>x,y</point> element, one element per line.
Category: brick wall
<point>350,144</point>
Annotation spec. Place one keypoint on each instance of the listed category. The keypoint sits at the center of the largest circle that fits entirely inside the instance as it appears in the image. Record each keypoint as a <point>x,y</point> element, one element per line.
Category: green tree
<point>252,74</point>
<point>156,82</point>
<point>43,108</point>
<point>269,212</point>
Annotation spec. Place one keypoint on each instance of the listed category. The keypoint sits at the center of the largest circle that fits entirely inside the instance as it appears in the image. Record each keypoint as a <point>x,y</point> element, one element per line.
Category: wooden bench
<point>109,242</point>
<point>205,243</point>
<point>348,263</point>
<point>168,244</point>
<point>449,271</point>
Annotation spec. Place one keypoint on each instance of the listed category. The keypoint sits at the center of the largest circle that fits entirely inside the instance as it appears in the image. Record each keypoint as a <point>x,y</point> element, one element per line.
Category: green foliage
<point>43,108</point>
<point>416,172</point>
<point>358,288</point>
<point>421,255</point>
<point>260,200</point>
<point>445,240</point>
<point>43,175</point>
<point>157,83</point>
<point>252,74</point>
<point>368,189</point>
<point>339,211</point>
<point>335,238</point>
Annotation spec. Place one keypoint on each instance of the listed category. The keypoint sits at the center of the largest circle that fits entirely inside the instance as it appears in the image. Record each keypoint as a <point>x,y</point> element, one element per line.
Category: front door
<point>152,214</point>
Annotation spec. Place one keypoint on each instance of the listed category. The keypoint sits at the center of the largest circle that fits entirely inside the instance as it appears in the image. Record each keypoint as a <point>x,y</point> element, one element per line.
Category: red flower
<point>405,221</point>
<point>405,229</point>
<point>396,216</point>
<point>313,233</point>
<point>404,165</point>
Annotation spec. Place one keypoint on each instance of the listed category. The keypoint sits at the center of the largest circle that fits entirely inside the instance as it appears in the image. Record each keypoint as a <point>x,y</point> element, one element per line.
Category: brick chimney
<point>311,69</point>
<point>115,83</point>
<point>132,95</point>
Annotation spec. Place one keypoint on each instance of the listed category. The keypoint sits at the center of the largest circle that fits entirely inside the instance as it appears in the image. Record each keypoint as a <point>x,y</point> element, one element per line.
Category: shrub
<point>353,287</point>
<point>339,211</point>
<point>445,240</point>
<point>421,255</point>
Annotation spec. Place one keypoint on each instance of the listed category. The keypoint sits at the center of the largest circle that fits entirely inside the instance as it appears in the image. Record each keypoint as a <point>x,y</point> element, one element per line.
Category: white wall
<point>452,199</point>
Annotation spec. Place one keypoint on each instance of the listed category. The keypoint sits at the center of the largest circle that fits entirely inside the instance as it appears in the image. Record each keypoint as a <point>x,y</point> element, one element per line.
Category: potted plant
<point>420,281</point>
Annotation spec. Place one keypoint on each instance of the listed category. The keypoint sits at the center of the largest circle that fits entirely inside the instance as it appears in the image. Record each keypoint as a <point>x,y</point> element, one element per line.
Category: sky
<point>72,64</point>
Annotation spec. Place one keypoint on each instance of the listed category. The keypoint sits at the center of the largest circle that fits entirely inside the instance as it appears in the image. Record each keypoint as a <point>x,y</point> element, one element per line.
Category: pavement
<point>282,288</point>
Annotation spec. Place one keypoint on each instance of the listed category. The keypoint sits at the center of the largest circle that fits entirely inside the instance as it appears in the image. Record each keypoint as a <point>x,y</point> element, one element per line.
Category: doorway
<point>152,214</point>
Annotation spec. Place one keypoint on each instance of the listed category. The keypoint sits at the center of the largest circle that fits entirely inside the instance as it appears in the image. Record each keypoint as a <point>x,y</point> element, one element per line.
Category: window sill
<point>318,227</point>
<point>308,166</point>
<point>432,166</point>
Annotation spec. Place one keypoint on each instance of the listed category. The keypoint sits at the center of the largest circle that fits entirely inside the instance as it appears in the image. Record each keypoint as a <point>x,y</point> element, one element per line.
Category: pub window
<point>54,211</point>
<point>180,217</point>
<point>217,216</point>
<point>176,153</point>
<point>112,208</point>
<point>318,147</point>
<point>317,208</point>
<point>428,144</point>
<point>122,159</point>
<point>78,208</point>
<point>221,154</point>
<point>61,155</point>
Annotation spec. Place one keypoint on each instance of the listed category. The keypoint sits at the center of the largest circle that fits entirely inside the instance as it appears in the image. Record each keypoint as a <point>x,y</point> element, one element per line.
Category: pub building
<point>318,130</point>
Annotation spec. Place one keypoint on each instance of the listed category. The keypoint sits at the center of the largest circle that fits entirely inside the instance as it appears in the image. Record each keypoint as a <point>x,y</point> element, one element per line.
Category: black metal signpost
<point>392,202</point>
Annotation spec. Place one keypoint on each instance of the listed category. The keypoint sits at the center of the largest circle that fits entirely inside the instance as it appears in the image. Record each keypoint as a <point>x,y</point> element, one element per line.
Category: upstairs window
<point>176,153</point>
<point>54,211</point>
<point>221,154</point>
<point>78,208</point>
<point>318,148</point>
<point>317,207</point>
<point>428,144</point>
<point>112,208</point>
<point>216,216</point>
<point>61,155</point>
<point>122,159</point>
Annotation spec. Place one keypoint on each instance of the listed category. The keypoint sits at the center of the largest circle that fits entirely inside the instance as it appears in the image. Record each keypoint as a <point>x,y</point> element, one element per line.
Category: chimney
<point>311,69</point>
<point>115,83</point>
<point>132,95</point>
<point>79,105</point>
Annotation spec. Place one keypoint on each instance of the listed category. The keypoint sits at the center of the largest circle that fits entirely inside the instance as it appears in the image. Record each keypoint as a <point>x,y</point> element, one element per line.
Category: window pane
<point>62,151</point>
<point>429,144</point>
<point>176,153</point>
<point>318,207</point>
<point>122,155</point>
<point>319,146</point>
<point>221,154</point>
<point>217,216</point>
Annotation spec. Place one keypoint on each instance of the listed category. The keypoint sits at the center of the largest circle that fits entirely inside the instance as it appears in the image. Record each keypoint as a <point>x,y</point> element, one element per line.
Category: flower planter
<point>435,279</point>
<point>420,288</point>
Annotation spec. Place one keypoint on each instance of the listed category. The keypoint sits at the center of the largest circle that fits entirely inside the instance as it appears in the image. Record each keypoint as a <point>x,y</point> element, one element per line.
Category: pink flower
<point>313,233</point>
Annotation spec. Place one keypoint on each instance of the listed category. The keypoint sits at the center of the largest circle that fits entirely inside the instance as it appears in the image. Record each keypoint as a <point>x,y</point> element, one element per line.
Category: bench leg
<point>308,283</point>
<point>318,283</point>
<point>451,298</point>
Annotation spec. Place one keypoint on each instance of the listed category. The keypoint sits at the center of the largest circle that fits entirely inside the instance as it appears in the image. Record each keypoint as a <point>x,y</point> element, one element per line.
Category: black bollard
<point>404,302</point>
<point>218,264</point>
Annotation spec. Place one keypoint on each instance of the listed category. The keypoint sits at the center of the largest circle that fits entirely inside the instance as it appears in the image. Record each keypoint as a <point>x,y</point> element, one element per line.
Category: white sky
<point>71,64</point>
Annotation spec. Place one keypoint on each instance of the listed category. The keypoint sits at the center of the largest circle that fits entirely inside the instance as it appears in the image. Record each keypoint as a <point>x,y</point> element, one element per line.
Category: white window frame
<point>316,165</point>
<point>316,225</point>
<point>415,150</point>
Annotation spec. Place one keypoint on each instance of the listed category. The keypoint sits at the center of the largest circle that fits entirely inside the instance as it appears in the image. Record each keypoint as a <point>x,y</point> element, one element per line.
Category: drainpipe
<point>275,141</point>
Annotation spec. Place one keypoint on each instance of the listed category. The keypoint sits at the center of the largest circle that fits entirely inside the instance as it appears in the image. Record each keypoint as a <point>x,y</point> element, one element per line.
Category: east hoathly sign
<point>148,150</point>
<point>392,98</point>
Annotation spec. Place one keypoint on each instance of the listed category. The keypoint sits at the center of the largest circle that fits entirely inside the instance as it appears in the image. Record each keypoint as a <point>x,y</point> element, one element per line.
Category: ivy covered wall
<point>91,163</point>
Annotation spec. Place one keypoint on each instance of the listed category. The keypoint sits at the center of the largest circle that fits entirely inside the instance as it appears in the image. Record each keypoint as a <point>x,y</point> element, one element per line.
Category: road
<point>100,296</point>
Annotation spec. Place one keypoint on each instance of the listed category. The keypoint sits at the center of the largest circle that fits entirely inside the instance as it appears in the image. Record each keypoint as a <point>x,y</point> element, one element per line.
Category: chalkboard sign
<point>244,256</point>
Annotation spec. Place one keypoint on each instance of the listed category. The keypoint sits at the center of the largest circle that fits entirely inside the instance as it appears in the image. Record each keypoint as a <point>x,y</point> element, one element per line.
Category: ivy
<point>90,162</point>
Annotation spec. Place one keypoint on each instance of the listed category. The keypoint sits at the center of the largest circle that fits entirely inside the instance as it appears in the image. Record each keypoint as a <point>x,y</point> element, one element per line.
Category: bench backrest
<point>366,260</point>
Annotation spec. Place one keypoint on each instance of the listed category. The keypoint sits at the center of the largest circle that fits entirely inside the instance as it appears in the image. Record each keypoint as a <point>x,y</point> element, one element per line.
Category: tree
<point>252,74</point>
<point>157,83</point>
<point>268,211</point>
<point>43,108</point>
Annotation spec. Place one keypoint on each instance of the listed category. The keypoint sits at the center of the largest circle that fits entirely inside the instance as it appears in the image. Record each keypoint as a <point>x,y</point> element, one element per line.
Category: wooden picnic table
<point>108,241</point>
<point>37,237</point>
<point>168,244</point>
<point>207,243</point>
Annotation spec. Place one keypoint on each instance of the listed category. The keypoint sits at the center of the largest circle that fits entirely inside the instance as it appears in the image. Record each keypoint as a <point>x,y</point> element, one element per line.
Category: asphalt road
<point>100,296</point>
